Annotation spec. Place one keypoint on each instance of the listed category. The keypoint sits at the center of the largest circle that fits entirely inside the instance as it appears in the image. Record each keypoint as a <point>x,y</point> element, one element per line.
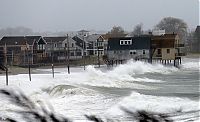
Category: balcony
<point>157,56</point>
<point>180,54</point>
<point>179,45</point>
<point>40,51</point>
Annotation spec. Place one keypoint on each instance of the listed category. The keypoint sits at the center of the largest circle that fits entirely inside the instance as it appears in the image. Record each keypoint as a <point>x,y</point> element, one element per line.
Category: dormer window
<point>125,42</point>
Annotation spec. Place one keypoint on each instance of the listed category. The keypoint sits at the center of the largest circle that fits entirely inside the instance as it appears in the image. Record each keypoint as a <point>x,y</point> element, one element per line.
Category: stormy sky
<point>72,15</point>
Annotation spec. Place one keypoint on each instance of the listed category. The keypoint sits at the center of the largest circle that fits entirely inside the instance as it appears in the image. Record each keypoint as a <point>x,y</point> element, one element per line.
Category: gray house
<point>93,44</point>
<point>125,48</point>
<point>58,48</point>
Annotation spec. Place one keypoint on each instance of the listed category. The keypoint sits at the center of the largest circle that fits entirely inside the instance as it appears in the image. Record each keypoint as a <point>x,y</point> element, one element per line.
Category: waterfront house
<point>96,44</point>
<point>125,48</point>
<point>22,50</point>
<point>93,44</point>
<point>58,49</point>
<point>166,47</point>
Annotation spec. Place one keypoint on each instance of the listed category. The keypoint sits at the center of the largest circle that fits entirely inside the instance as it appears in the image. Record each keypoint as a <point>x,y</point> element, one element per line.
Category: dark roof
<point>197,29</point>
<point>93,37</point>
<point>142,42</point>
<point>21,40</point>
<point>54,39</point>
<point>78,40</point>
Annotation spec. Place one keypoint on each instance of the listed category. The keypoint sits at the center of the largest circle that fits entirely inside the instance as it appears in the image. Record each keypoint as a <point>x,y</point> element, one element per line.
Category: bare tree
<point>116,31</point>
<point>173,25</point>
<point>138,30</point>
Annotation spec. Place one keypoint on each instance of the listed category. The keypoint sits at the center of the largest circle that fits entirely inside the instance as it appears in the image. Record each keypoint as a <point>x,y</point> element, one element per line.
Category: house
<point>82,43</point>
<point>22,50</point>
<point>93,44</point>
<point>58,49</point>
<point>96,44</point>
<point>166,47</point>
<point>125,48</point>
<point>195,46</point>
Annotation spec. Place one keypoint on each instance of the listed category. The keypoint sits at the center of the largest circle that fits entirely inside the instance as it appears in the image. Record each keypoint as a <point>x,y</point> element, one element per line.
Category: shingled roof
<point>21,40</point>
<point>92,38</point>
<point>54,39</point>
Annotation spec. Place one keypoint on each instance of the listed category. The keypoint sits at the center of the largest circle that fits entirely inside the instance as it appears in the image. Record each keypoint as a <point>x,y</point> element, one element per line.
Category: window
<point>55,45</point>
<point>72,44</point>
<point>125,42</point>
<point>143,52</point>
<point>132,52</point>
<point>159,51</point>
<point>65,44</point>
<point>72,54</point>
<point>168,50</point>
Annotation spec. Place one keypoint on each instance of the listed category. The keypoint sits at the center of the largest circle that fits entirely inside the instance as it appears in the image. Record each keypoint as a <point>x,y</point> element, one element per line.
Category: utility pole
<point>52,66</point>
<point>68,53</point>
<point>28,59</point>
<point>84,52</point>
<point>98,53</point>
<point>6,62</point>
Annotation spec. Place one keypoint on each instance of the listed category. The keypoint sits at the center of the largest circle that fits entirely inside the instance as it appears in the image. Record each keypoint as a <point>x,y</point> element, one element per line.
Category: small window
<point>65,44</point>
<point>134,53</point>
<point>55,45</point>
<point>72,54</point>
<point>72,44</point>
<point>114,52</point>
<point>131,53</point>
<point>168,50</point>
<point>143,52</point>
<point>159,51</point>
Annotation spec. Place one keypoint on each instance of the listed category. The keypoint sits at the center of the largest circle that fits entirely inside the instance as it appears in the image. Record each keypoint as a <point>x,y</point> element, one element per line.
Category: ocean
<point>106,90</point>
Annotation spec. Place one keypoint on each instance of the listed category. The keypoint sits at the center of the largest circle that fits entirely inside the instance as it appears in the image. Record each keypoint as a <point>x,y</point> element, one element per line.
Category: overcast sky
<point>73,15</point>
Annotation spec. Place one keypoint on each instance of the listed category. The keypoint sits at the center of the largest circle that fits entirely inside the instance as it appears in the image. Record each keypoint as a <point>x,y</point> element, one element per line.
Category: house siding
<point>129,50</point>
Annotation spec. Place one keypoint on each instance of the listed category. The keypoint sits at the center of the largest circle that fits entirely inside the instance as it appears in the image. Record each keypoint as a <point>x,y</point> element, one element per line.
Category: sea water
<point>104,91</point>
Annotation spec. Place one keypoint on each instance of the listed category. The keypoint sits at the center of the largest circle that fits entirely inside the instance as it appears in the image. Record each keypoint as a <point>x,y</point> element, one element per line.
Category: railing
<point>180,54</point>
<point>179,45</point>
<point>158,55</point>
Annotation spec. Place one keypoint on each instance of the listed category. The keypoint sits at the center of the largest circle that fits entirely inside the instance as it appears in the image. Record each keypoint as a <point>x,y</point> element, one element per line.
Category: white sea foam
<point>138,67</point>
<point>137,101</point>
<point>191,63</point>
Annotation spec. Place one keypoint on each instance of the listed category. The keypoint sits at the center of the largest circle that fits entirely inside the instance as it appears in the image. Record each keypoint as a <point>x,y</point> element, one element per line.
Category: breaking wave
<point>123,75</point>
<point>68,90</point>
<point>137,101</point>
<point>138,67</point>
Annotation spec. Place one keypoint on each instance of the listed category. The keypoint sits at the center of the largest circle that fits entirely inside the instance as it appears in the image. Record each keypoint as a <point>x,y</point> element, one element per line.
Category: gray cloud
<point>65,15</point>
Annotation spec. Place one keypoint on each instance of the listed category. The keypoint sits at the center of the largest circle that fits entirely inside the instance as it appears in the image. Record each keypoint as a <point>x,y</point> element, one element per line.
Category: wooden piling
<point>52,66</point>
<point>6,75</point>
